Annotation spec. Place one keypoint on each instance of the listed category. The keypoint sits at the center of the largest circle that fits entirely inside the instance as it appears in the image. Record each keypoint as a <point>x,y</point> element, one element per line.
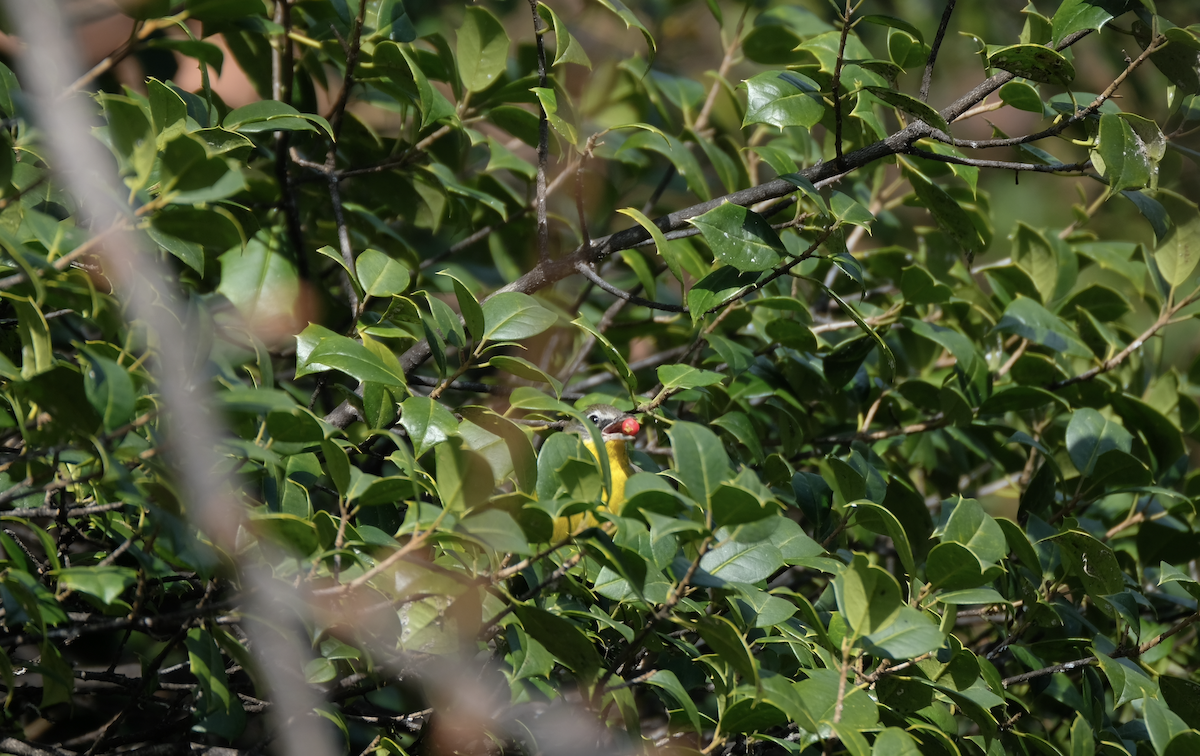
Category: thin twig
<point>837,88</point>
<point>282,71</point>
<point>1002,164</point>
<point>936,422</point>
<point>336,119</point>
<point>1164,319</point>
<point>1088,661</point>
<point>595,278</point>
<point>543,147</point>
<point>933,50</point>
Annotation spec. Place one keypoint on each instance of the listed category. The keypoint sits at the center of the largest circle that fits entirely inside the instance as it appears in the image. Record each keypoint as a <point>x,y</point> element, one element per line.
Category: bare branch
<point>1002,164</point>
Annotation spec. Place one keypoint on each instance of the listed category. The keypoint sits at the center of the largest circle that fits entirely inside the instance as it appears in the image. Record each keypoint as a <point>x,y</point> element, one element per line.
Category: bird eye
<point>594,418</point>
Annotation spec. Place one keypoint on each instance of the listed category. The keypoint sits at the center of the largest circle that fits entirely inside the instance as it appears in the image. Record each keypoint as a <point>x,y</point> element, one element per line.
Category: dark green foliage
<point>915,460</point>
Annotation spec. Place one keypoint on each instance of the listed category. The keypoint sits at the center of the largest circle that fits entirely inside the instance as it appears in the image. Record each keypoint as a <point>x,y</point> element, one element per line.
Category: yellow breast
<point>619,469</point>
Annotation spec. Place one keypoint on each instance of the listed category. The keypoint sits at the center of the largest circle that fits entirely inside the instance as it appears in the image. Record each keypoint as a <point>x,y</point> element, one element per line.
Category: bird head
<point>614,424</point>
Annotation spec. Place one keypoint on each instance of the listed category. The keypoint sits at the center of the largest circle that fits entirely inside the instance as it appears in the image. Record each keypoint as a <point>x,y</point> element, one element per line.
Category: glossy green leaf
<point>631,22</point>
<point>700,459</point>
<point>380,275</point>
<point>948,214</point>
<point>867,596</point>
<point>1030,320</point>
<point>333,352</point>
<point>782,99</point>
<point>614,356</point>
<point>482,48</point>
<point>723,638</point>
<point>427,423</point>
<point>561,638</point>
<point>566,48</point>
<point>1033,62</point>
<point>1077,15</point>
<point>1022,96</point>
<point>912,106</point>
<point>679,377</point>
<point>1090,435</point>
<point>511,315</point>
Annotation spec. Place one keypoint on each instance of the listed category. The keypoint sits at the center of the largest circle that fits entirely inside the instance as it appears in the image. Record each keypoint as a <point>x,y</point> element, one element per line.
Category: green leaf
<point>273,115</point>
<point>975,529</point>
<point>260,280</point>
<point>1027,318</point>
<point>105,583</point>
<point>737,562</point>
<point>206,53</point>
<point>847,210</point>
<point>566,48</point>
<point>109,389</point>
<point>1120,155</point>
<point>948,214</point>
<point>878,519</point>
<point>919,287</point>
<point>739,237</point>
<point>631,22</point>
<point>427,423</point>
<point>1022,96</point>
<point>380,275</point>
<point>951,566</point>
<point>393,21</point>
<point>889,359</point>
<point>912,106</point>
<point>1038,256</point>
<point>464,477</point>
<point>37,348</point>
<point>674,150</point>
<point>1093,562</point>
<point>820,697</point>
<point>482,49</point>
<point>893,741</point>
<point>523,368</point>
<point>1077,15</point>
<point>611,352</point>
<point>10,89</point>
<point>1163,724</point>
<point>497,530</point>
<point>724,639</point>
<point>1090,434</point>
<point>565,127</point>
<point>1178,253</point>
<point>679,377</point>
<point>453,185</point>
<point>893,23</point>
<point>1033,62</point>
<point>660,240</point>
<point>468,305</point>
<point>868,597</point>
<point>218,709</point>
<point>700,459</point>
<point>1183,696</point>
<point>335,352</point>
<point>511,315</point>
<point>665,679</point>
<point>782,99</point>
<point>561,638</point>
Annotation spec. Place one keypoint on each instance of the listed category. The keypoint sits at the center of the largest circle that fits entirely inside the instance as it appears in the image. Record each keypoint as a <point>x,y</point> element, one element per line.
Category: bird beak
<point>625,429</point>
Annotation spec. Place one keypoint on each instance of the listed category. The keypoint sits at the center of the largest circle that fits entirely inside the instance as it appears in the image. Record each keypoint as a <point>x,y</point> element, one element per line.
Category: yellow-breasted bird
<point>616,428</point>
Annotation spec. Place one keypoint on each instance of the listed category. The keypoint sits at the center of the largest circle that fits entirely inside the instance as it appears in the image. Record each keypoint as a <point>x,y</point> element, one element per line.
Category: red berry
<point>630,427</point>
